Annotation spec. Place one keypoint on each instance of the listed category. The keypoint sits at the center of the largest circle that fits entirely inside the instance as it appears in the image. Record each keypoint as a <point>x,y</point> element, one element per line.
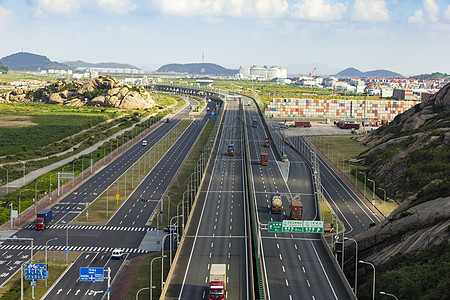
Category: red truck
<point>230,149</point>
<point>302,124</point>
<point>296,210</point>
<point>264,159</point>
<point>266,142</point>
<point>43,219</point>
<point>218,281</point>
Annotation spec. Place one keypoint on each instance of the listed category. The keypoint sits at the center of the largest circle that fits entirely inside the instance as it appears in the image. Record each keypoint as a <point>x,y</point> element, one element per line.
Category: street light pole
<point>384,201</point>
<point>54,239</point>
<point>387,294</point>
<point>35,194</point>
<point>50,182</point>
<point>373,191</point>
<point>20,193</point>
<point>162,261</point>
<point>364,183</point>
<point>373,287</point>
<point>151,276</point>
<point>356,262</point>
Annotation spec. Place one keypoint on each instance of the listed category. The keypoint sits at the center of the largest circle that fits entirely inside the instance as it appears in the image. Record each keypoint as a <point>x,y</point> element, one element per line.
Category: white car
<point>144,143</point>
<point>117,254</point>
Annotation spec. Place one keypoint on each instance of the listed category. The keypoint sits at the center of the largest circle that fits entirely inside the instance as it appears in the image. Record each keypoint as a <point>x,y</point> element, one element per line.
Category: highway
<point>96,242</point>
<point>218,232</point>
<point>295,265</point>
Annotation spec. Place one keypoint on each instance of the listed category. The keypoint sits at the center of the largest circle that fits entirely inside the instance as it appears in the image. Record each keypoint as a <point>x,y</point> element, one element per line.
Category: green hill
<point>83,64</point>
<point>435,75</point>
<point>210,69</point>
<point>3,68</point>
<point>24,61</point>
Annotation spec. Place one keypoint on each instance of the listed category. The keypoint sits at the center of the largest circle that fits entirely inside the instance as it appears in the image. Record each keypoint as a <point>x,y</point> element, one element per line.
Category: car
<point>117,254</point>
<point>171,228</point>
<point>161,107</point>
<point>144,143</point>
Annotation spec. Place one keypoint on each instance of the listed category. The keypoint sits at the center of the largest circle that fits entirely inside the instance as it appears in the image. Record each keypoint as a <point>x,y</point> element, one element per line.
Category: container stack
<point>340,108</point>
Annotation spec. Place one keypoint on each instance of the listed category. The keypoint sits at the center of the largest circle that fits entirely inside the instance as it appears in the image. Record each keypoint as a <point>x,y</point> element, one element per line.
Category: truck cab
<point>230,150</point>
<point>255,122</point>
<point>264,159</point>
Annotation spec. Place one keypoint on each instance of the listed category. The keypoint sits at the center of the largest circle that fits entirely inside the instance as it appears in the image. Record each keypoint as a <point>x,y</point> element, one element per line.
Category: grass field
<point>15,76</point>
<point>341,150</point>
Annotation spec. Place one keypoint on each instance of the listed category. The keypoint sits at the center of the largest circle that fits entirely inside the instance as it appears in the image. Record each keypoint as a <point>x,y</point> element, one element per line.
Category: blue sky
<point>405,36</point>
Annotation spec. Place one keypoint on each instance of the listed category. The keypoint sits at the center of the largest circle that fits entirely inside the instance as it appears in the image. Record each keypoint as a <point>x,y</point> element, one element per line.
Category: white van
<point>144,143</point>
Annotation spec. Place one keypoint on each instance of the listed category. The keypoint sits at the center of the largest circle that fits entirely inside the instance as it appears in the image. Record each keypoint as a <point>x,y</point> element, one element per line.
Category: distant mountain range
<point>195,68</point>
<point>83,64</point>
<point>352,72</point>
<point>435,75</point>
<point>24,61</point>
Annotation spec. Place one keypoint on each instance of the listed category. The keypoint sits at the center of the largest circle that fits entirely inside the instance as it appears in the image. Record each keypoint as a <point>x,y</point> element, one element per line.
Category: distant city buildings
<point>262,73</point>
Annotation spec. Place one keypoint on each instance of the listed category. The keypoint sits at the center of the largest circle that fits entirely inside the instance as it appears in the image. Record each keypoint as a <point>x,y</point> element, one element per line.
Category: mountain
<point>210,69</point>
<point>352,72</point>
<point>435,75</point>
<point>83,64</point>
<point>24,61</point>
<point>3,68</point>
<point>410,159</point>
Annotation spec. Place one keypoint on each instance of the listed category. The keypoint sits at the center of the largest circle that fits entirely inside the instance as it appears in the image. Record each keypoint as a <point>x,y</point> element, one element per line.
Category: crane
<point>312,73</point>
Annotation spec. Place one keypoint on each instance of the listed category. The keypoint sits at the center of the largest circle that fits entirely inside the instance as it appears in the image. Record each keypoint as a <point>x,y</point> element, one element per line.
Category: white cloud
<point>5,16</point>
<point>219,8</point>
<point>318,10</point>
<point>417,18</point>
<point>447,13</point>
<point>59,6</point>
<point>117,6</point>
<point>370,10</point>
<point>432,10</point>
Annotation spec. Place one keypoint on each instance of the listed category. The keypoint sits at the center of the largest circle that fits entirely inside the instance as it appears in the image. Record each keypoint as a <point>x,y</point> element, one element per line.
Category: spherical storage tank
<point>244,71</point>
<point>258,72</point>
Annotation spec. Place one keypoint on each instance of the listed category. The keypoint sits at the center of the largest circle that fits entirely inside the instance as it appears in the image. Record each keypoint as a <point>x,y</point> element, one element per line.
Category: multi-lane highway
<point>97,242</point>
<point>218,233</point>
<point>295,266</point>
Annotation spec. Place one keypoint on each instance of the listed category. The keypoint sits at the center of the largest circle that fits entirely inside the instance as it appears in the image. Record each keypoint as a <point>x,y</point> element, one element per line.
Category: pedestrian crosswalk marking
<point>95,227</point>
<point>71,248</point>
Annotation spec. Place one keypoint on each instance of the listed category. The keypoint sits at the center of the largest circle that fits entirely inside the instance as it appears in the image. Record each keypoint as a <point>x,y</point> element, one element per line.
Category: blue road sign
<point>87,209</point>
<point>91,274</point>
<point>373,201</point>
<point>35,271</point>
<point>108,289</point>
<point>213,115</point>
<point>66,251</point>
<point>33,283</point>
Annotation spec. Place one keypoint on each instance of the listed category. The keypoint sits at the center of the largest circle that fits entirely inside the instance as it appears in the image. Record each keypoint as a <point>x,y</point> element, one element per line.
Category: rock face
<point>420,227</point>
<point>104,91</point>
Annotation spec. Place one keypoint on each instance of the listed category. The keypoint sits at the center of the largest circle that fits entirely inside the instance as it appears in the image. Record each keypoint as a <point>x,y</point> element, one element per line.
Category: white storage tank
<point>244,72</point>
<point>258,72</point>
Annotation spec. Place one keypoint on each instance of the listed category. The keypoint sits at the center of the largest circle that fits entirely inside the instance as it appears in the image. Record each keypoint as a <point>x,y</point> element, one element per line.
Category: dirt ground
<point>15,121</point>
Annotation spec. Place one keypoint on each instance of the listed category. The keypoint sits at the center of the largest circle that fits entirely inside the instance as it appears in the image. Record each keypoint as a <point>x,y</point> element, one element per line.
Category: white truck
<point>217,281</point>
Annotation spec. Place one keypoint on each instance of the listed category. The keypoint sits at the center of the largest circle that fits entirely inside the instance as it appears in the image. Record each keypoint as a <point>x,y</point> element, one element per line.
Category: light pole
<point>24,162</point>
<point>356,262</point>
<point>50,182</point>
<point>20,193</point>
<point>365,177</point>
<point>54,239</point>
<point>11,205</point>
<point>373,287</point>
<point>151,276</point>
<point>6,178</point>
<point>35,194</point>
<point>387,294</point>
<point>384,201</point>
<point>171,239</point>
<point>73,170</point>
<point>373,191</point>
<point>137,294</point>
<point>162,261</point>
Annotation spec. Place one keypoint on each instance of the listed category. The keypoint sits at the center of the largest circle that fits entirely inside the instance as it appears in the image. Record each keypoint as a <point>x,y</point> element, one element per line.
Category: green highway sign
<point>313,226</point>
<point>306,226</point>
<point>275,226</point>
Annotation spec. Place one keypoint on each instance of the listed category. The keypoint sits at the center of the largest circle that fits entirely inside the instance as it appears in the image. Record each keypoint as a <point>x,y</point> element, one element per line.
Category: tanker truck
<point>276,204</point>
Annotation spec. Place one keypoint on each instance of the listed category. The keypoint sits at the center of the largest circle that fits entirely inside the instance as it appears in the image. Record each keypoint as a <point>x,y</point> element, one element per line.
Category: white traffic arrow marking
<point>59,291</point>
<point>76,293</point>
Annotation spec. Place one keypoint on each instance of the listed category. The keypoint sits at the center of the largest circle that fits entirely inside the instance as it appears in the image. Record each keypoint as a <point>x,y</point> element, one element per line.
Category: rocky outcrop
<point>104,91</point>
<point>413,229</point>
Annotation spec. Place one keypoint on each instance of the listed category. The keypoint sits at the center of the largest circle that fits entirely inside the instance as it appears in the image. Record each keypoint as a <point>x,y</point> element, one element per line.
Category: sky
<point>406,36</point>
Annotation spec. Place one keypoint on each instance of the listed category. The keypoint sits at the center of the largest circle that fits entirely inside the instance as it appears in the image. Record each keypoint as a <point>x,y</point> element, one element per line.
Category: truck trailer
<point>277,203</point>
<point>266,142</point>
<point>230,150</point>
<point>264,159</point>
<point>296,210</point>
<point>302,124</point>
<point>43,219</point>
<point>217,281</point>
